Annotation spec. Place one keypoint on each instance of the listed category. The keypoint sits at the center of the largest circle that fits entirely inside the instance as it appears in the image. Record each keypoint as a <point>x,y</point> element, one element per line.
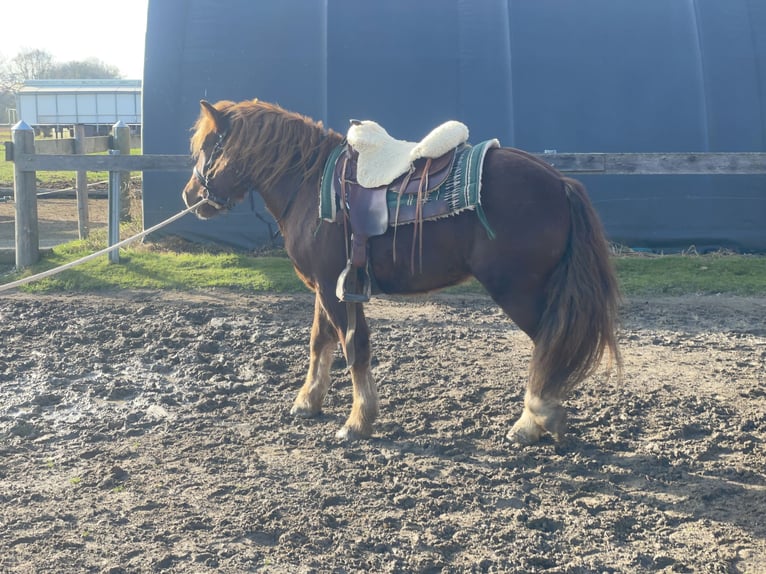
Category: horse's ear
<point>214,114</point>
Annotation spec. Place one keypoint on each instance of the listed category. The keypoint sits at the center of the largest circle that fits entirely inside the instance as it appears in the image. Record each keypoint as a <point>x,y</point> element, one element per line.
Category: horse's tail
<point>579,322</point>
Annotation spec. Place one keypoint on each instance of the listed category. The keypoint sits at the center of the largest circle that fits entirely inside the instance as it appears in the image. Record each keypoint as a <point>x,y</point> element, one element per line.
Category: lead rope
<point>50,272</point>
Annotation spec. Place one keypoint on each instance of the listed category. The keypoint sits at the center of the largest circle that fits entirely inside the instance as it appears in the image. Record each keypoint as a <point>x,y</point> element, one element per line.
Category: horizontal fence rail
<point>710,163</point>
<point>159,162</point>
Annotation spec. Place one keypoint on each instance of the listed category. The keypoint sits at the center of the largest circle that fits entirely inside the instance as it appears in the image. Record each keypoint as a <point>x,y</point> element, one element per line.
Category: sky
<point>77,30</point>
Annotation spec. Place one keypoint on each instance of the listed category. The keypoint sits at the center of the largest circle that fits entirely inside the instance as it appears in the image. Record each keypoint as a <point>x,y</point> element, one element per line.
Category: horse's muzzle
<point>191,196</point>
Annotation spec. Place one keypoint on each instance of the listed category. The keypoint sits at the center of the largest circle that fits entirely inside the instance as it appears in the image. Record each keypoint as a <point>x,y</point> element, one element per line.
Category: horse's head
<point>216,177</point>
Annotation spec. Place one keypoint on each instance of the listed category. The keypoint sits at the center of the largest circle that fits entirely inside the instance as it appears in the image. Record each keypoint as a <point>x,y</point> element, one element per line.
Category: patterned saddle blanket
<point>434,188</point>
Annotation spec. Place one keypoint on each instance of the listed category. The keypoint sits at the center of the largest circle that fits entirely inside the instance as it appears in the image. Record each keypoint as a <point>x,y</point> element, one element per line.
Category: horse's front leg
<point>365,407</point>
<point>324,341</point>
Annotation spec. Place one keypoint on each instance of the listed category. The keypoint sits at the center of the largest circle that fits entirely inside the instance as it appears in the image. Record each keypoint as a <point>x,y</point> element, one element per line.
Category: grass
<point>147,268</point>
<point>159,267</point>
<point>692,274</point>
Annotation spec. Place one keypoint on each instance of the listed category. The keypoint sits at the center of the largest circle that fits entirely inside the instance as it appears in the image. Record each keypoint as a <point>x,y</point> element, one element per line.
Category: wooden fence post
<point>113,214</point>
<point>121,138</point>
<point>81,185</point>
<point>25,198</point>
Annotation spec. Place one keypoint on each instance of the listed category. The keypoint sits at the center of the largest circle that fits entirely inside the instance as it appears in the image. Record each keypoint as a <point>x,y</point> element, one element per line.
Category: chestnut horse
<point>547,265</point>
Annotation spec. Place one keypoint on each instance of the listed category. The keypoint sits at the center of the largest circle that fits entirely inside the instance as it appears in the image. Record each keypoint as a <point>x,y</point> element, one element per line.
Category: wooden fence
<point>30,156</point>
<point>27,162</point>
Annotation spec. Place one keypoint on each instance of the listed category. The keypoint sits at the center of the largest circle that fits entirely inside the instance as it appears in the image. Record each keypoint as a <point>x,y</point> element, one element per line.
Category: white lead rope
<point>44,274</point>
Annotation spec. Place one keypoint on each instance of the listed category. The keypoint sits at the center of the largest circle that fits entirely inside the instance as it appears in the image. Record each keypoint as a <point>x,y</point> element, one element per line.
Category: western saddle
<point>372,166</point>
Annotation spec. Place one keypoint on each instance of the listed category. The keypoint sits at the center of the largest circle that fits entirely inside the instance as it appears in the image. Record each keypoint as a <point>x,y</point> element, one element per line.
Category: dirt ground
<point>150,432</point>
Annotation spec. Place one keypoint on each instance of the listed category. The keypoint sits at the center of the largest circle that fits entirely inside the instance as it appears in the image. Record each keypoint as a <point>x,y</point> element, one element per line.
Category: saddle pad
<point>383,158</point>
<point>459,192</point>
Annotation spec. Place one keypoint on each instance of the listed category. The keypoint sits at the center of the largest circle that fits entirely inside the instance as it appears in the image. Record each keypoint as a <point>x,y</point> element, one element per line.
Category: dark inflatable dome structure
<point>585,76</point>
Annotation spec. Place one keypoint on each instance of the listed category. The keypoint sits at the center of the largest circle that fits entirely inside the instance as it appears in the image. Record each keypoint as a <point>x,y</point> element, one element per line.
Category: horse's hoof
<point>304,412</point>
<point>522,437</point>
<point>558,430</point>
<point>347,434</point>
<point>525,435</point>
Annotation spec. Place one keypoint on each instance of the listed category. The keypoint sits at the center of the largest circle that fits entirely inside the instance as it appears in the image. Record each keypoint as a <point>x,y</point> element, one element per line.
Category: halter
<point>224,204</point>
<point>204,179</point>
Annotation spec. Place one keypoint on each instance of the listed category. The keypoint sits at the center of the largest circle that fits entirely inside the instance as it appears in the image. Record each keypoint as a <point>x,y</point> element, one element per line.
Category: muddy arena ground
<point>150,432</point>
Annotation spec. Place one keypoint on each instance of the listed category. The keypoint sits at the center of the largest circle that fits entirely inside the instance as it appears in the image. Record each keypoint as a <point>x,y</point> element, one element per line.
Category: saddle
<point>374,164</point>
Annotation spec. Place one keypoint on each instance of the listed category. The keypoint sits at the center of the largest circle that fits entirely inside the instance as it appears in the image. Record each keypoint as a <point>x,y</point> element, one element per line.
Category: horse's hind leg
<point>324,341</point>
<point>539,415</point>
<point>542,413</point>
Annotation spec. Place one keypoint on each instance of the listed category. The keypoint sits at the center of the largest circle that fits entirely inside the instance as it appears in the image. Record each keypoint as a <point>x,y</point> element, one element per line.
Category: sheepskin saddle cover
<point>383,158</point>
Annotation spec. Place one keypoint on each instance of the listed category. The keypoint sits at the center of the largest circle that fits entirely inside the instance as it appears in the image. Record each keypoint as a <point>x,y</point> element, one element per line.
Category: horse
<point>546,265</point>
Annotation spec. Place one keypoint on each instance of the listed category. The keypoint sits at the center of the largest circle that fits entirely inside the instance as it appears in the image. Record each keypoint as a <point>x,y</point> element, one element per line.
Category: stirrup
<point>347,288</point>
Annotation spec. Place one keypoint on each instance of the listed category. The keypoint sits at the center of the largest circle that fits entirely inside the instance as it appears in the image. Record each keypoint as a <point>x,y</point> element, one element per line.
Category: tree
<point>31,65</point>
<point>40,65</point>
<point>7,102</point>
<point>8,88</point>
<point>91,69</point>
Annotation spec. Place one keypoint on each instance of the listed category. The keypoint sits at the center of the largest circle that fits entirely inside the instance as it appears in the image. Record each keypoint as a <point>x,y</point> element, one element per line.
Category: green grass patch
<point>146,269</point>
<point>692,274</point>
<point>154,268</point>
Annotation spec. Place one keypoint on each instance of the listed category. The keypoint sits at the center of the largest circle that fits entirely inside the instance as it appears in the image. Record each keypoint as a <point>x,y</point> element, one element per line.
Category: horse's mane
<point>264,141</point>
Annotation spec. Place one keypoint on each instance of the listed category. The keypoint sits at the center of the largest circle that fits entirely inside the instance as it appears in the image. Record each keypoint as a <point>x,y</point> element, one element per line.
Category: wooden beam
<point>121,142</point>
<point>686,163</point>
<point>712,163</point>
<point>33,162</point>
<point>574,162</point>
<point>81,185</point>
<point>25,198</point>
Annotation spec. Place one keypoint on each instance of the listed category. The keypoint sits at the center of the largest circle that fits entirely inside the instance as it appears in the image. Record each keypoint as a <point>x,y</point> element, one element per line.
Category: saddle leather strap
<point>417,232</point>
<point>351,308</point>
<point>344,209</point>
<point>350,332</point>
<point>399,195</point>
